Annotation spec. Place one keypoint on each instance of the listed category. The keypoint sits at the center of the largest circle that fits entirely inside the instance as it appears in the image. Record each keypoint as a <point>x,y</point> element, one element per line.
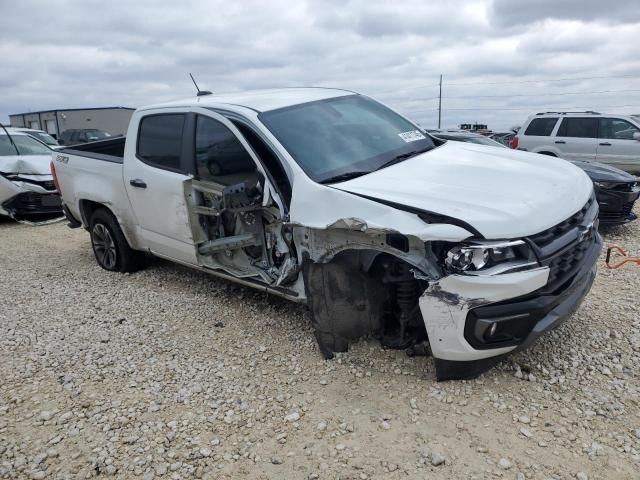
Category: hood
<point>599,172</point>
<point>502,193</point>
<point>26,164</point>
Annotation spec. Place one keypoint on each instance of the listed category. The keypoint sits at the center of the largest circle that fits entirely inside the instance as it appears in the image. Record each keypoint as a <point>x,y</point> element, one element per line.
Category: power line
<point>539,94</point>
<point>543,81</point>
<point>524,95</point>
<point>515,82</point>
<point>559,109</point>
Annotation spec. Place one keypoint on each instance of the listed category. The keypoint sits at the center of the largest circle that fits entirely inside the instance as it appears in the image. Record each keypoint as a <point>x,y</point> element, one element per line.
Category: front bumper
<point>616,206</point>
<point>459,309</point>
<point>27,204</point>
<point>23,200</point>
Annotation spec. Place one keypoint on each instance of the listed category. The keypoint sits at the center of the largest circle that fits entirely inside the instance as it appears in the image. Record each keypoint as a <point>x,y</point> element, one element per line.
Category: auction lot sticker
<point>411,136</point>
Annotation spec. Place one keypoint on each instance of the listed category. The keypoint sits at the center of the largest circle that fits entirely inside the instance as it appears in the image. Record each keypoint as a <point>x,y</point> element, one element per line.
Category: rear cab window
<point>160,140</point>
<point>541,127</point>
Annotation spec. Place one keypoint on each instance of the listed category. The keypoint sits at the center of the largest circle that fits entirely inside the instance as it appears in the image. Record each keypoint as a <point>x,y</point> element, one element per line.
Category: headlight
<point>472,257</point>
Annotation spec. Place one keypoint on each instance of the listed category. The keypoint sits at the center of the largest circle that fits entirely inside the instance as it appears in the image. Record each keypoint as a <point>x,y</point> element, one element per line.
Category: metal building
<point>114,120</point>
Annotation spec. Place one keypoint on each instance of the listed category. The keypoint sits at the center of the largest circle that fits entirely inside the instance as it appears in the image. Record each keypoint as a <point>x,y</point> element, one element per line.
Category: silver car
<point>27,189</point>
<point>584,136</point>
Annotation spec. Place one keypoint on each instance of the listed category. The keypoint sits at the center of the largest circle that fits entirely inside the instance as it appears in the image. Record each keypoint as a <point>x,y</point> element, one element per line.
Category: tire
<point>111,249</point>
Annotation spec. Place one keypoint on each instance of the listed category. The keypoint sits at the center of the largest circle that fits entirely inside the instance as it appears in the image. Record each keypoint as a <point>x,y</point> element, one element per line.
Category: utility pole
<point>440,103</point>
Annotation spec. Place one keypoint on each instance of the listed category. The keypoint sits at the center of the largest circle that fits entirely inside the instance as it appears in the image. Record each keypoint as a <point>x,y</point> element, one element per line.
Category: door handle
<point>136,182</point>
<point>559,142</point>
<point>606,144</point>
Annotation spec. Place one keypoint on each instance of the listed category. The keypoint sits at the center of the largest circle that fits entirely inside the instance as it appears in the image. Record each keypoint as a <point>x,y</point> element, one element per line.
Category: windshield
<point>44,137</point>
<point>344,135</point>
<point>97,135</point>
<point>25,144</point>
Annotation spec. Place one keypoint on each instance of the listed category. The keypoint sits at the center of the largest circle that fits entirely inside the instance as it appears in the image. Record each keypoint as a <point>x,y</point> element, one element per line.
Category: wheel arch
<point>89,207</point>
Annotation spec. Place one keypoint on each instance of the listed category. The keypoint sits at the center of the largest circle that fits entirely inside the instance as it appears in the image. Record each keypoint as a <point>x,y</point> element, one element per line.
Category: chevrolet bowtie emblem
<point>584,231</point>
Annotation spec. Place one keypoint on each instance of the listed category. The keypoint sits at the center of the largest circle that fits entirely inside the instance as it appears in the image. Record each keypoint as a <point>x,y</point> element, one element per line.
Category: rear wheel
<point>109,245</point>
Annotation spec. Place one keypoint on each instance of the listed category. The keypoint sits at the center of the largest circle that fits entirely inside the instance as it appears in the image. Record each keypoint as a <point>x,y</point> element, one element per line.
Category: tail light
<point>514,142</point>
<point>55,179</point>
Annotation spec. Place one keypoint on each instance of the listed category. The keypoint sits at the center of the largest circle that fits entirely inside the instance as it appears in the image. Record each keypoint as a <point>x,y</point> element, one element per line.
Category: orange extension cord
<point>617,248</point>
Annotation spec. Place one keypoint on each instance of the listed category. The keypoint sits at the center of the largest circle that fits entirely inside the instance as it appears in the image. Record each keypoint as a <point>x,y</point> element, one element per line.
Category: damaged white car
<point>27,191</point>
<point>330,198</point>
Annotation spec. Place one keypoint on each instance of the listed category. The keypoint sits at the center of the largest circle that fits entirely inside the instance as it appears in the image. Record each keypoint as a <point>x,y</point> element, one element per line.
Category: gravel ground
<point>170,373</point>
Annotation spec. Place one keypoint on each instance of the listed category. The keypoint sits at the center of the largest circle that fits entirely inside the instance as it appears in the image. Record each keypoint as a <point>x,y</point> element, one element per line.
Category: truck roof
<point>259,100</point>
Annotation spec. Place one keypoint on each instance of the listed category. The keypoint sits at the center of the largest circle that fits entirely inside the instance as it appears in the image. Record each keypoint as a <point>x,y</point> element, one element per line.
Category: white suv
<point>587,136</point>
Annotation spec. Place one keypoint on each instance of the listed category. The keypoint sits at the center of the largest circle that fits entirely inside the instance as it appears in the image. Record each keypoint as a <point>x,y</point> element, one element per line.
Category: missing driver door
<point>231,203</point>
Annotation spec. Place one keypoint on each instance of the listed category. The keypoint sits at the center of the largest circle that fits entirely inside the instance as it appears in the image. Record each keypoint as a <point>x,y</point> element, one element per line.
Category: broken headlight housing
<point>490,257</point>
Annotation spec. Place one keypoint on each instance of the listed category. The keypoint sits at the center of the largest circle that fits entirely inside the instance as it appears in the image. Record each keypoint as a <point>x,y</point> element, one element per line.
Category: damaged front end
<point>29,198</point>
<point>410,279</point>
<point>467,303</point>
<point>404,291</point>
<point>363,284</point>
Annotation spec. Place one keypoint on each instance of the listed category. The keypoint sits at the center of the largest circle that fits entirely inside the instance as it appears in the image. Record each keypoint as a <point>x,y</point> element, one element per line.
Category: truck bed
<point>110,150</point>
<point>93,172</point>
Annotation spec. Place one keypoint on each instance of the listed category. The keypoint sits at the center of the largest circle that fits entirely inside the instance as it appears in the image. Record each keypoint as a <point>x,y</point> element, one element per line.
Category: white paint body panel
<point>25,164</point>
<point>501,192</point>
<point>82,178</point>
<point>445,321</point>
<point>258,100</point>
<point>160,210</point>
<point>320,206</point>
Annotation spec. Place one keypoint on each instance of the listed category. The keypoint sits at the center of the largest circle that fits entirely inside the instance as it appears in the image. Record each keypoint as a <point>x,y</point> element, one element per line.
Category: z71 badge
<point>62,158</point>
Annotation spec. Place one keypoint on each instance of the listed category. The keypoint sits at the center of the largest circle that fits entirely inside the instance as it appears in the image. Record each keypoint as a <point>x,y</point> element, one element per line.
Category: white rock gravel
<point>169,373</point>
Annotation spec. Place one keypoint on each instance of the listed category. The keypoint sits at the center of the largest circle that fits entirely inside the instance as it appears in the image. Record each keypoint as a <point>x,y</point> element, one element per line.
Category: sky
<point>501,60</point>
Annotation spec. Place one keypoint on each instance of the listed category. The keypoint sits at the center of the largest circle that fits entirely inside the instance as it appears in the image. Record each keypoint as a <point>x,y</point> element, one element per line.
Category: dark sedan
<point>616,190</point>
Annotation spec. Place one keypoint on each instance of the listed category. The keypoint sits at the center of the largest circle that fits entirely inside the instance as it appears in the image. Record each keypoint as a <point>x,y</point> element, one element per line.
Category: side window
<point>74,136</point>
<point>541,127</point>
<point>616,129</point>
<point>220,157</point>
<point>577,127</point>
<point>160,140</point>
<point>269,159</point>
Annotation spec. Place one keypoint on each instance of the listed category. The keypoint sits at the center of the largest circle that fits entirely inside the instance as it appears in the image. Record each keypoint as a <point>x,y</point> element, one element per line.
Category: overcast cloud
<point>90,53</point>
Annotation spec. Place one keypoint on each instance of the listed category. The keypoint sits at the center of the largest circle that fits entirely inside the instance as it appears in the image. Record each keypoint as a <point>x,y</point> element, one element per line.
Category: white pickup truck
<point>330,198</point>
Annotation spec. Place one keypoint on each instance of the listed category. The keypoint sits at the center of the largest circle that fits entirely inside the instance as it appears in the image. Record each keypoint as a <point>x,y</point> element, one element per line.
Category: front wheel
<point>109,245</point>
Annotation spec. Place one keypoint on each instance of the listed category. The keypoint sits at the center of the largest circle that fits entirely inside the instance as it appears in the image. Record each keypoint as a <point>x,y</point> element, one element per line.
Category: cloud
<point>525,12</point>
<point>78,53</point>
